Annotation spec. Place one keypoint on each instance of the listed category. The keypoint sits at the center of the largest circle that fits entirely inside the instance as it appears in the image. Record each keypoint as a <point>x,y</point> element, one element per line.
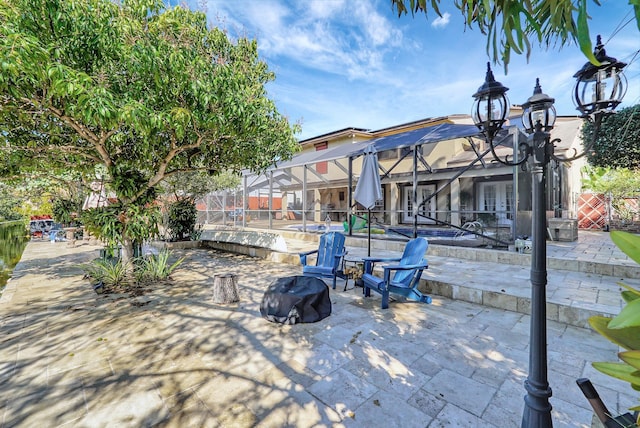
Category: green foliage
<point>34,193</point>
<point>225,180</point>
<point>112,272</point>
<point>191,185</point>
<point>618,183</point>
<point>624,329</point>
<point>135,92</point>
<point>157,267</point>
<point>127,184</point>
<point>197,232</point>
<point>65,211</point>
<point>617,144</point>
<point>512,26</point>
<point>143,89</point>
<point>13,235</point>
<point>113,222</point>
<point>109,272</point>
<point>9,205</point>
<point>182,219</point>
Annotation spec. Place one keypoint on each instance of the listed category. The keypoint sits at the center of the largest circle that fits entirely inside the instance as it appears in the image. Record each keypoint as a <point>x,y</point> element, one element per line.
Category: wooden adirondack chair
<point>406,277</point>
<point>330,252</point>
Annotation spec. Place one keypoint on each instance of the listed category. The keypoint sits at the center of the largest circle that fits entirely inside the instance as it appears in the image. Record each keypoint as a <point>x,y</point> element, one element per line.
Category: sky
<point>355,63</point>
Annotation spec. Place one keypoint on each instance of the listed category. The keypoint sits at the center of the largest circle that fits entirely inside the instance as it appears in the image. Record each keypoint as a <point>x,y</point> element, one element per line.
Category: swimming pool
<point>402,231</point>
<point>317,227</point>
<point>433,233</point>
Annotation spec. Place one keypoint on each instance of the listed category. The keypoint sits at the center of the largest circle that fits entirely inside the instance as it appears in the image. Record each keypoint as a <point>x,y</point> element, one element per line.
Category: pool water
<point>435,234</point>
<point>405,231</point>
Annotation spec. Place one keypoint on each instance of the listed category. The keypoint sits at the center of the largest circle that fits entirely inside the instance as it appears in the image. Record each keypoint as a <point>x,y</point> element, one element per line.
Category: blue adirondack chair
<point>330,253</point>
<point>406,277</point>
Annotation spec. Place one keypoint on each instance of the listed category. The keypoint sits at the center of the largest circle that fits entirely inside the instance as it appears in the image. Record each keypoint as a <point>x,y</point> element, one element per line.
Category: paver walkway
<point>69,357</point>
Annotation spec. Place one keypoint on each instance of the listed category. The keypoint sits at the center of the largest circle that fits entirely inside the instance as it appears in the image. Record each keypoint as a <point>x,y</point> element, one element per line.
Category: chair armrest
<point>337,258</point>
<point>405,267</point>
<point>388,268</point>
<point>370,261</point>
<point>306,253</point>
<point>303,256</point>
<point>378,259</point>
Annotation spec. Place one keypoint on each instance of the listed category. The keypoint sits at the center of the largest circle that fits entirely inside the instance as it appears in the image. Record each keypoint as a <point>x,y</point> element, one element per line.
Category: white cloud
<point>378,29</point>
<point>343,63</point>
<point>322,9</point>
<point>441,21</point>
<point>269,17</point>
<point>350,39</point>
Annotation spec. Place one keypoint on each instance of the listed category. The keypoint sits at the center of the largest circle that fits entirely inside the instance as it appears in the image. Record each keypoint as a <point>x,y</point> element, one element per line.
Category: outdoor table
<point>350,263</point>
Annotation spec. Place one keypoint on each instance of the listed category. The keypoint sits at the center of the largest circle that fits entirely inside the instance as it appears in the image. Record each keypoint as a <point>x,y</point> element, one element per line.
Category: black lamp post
<point>599,90</point>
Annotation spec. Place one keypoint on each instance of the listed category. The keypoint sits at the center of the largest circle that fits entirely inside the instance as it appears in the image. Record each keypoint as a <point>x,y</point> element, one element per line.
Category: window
<point>322,167</point>
<point>388,154</point>
<point>427,209</point>
<point>496,199</point>
<point>408,150</point>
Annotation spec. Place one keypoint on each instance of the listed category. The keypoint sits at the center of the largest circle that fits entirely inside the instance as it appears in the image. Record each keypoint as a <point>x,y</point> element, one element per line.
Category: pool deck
<point>582,275</point>
<point>173,358</point>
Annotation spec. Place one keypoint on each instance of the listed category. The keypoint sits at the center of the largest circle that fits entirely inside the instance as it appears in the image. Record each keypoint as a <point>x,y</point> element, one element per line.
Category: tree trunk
<point>225,288</point>
<point>127,255</point>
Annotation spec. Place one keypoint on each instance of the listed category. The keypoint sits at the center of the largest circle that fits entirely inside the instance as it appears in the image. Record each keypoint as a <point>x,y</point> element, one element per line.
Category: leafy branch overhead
<point>135,87</point>
<point>512,26</point>
<point>143,90</point>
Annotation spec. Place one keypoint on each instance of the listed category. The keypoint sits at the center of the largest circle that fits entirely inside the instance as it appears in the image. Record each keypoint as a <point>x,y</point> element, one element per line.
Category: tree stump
<point>225,288</point>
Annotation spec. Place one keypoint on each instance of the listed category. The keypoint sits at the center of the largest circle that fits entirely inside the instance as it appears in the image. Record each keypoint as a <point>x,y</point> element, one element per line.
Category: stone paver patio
<point>172,357</point>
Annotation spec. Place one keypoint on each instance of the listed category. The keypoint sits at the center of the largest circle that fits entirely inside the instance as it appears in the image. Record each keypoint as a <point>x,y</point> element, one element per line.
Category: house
<point>434,172</point>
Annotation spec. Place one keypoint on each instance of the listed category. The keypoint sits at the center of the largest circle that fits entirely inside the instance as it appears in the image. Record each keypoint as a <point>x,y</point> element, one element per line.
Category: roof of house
<point>428,135</point>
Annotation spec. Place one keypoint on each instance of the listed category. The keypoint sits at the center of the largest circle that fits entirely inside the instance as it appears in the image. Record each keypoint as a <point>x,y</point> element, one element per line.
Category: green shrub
<point>156,267</point>
<point>115,222</point>
<point>182,219</point>
<point>109,272</point>
<point>65,211</point>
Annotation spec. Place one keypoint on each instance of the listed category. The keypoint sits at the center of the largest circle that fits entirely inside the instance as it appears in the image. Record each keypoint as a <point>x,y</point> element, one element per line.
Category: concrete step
<point>600,256</point>
<point>582,276</point>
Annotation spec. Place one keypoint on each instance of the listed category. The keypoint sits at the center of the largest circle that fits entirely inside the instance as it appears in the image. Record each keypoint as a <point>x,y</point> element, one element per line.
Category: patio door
<point>428,209</point>
<point>497,199</point>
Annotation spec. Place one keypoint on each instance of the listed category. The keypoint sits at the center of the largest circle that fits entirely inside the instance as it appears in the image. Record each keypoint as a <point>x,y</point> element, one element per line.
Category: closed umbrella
<point>368,188</point>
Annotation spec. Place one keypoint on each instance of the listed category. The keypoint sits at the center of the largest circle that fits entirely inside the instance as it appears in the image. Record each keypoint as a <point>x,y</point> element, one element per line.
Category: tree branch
<point>87,134</point>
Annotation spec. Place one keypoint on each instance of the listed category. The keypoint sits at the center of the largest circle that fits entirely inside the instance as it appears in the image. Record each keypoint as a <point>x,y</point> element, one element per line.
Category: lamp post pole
<point>537,411</point>
<point>598,91</point>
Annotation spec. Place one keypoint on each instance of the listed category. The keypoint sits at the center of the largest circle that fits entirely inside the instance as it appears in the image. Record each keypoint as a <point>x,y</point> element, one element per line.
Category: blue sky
<point>354,63</point>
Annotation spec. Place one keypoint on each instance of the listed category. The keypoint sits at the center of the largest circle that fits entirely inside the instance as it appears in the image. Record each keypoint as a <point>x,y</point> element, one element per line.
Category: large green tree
<point>145,90</point>
<point>513,25</point>
<point>617,144</point>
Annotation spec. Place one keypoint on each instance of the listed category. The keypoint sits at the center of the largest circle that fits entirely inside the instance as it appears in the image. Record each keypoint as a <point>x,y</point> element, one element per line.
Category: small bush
<point>156,267</point>
<point>182,219</point>
<point>110,272</point>
<point>65,211</point>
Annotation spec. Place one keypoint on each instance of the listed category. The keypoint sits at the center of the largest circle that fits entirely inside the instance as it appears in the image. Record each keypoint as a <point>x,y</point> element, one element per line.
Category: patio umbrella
<point>368,188</point>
